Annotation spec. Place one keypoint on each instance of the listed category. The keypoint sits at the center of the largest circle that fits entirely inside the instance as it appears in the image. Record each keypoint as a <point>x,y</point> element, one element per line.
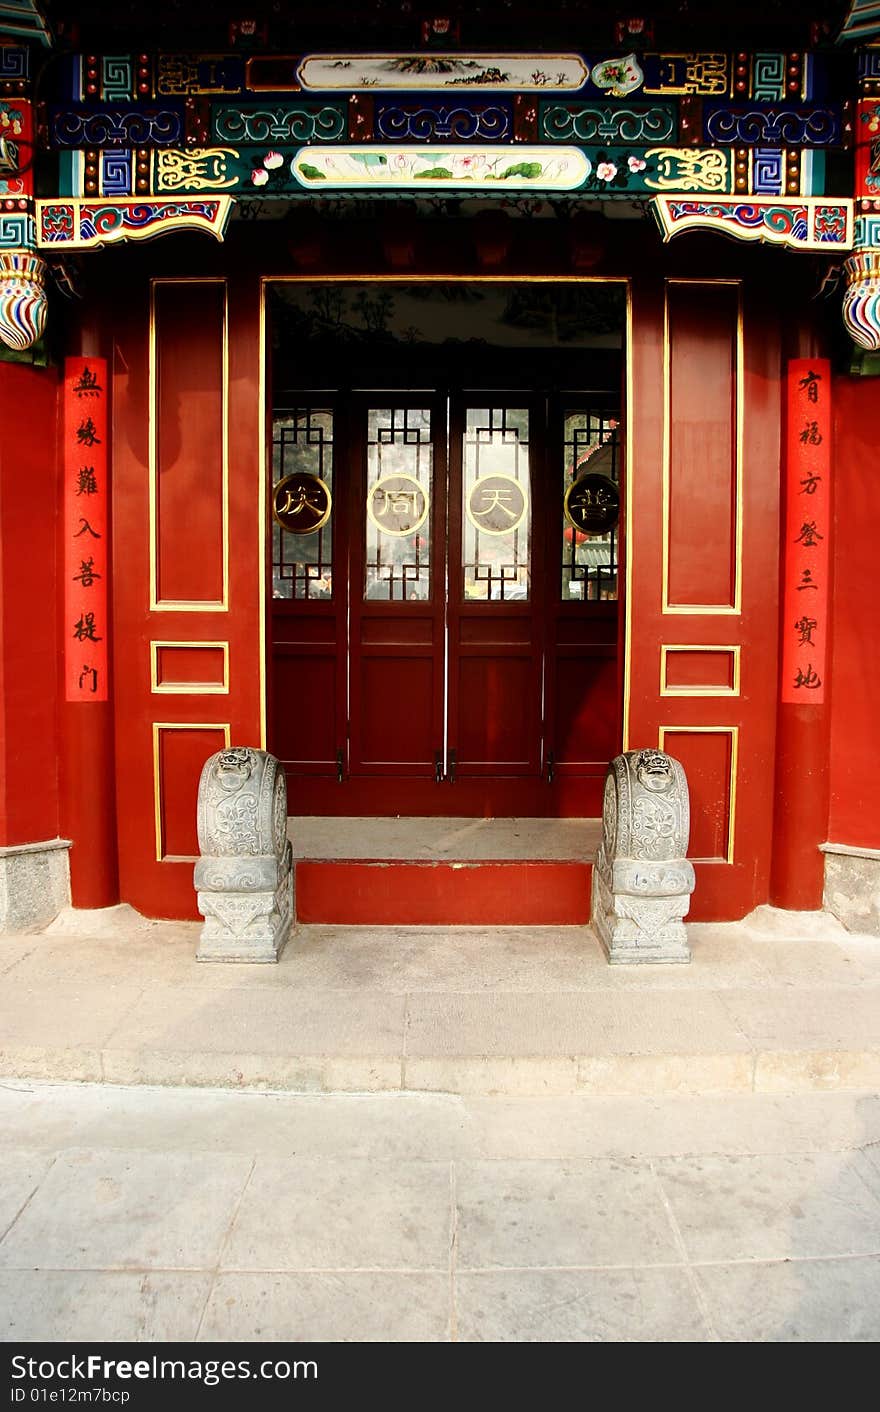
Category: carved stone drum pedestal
<point>244,878</point>
<point>642,880</point>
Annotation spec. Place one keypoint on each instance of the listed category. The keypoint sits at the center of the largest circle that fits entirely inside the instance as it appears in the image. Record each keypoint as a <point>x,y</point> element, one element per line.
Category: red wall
<point>29,501</point>
<point>855,705</point>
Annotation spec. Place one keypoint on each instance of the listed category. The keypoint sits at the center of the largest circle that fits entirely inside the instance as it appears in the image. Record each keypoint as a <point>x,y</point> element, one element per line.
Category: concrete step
<point>778,1004</point>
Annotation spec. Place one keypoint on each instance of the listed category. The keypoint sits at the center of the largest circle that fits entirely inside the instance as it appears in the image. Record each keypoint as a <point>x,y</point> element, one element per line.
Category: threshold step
<point>484,892</point>
<point>455,839</point>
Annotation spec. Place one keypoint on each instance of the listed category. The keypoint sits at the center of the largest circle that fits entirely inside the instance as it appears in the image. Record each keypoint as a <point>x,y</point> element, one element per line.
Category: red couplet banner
<point>86,623</point>
<point>807,531</point>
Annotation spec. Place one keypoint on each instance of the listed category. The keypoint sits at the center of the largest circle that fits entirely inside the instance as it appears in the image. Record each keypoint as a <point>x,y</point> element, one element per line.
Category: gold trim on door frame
<point>185,688</point>
<point>173,605</point>
<point>733,732</point>
<point>705,609</point>
<point>733,650</point>
<point>226,728</point>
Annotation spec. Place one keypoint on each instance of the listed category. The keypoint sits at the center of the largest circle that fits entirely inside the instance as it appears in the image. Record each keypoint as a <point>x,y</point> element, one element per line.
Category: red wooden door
<point>462,657</point>
<point>496,592</point>
<point>583,679</point>
<point>397,597</point>
<point>309,588</point>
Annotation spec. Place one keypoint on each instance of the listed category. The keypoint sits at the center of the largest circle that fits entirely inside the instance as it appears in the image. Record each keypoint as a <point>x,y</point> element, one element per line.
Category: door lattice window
<point>302,445</point>
<point>496,506</point>
<point>400,460</point>
<point>591,448</point>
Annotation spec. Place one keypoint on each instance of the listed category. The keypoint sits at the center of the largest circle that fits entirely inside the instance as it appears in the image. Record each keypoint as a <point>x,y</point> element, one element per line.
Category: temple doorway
<point>445,486</point>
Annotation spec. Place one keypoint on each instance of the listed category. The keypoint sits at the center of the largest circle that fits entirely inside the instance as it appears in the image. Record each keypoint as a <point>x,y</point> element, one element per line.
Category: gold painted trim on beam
<point>732,648</point>
<point>733,732</point>
<point>226,728</point>
<point>713,217</point>
<point>187,688</point>
<point>82,235</point>
<point>266,280</point>
<point>733,609</point>
<point>180,605</point>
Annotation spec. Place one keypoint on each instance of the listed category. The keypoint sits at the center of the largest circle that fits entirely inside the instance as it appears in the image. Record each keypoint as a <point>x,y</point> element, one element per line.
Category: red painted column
<point>804,717</point>
<point>88,802</point>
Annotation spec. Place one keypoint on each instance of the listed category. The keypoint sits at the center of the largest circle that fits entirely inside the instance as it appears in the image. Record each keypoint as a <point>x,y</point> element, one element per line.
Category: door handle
<point>438,766</point>
<point>451,767</point>
<point>340,767</point>
<point>551,767</point>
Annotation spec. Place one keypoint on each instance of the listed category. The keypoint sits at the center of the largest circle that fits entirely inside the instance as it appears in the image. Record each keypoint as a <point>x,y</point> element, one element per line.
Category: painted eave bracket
<point>800,223</point>
<point>78,224</point>
<point>862,22</point>
<point>24,19</point>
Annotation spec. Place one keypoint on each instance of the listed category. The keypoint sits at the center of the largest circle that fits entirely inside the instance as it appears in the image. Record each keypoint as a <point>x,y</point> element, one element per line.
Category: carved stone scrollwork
<point>244,877</point>
<point>642,880</point>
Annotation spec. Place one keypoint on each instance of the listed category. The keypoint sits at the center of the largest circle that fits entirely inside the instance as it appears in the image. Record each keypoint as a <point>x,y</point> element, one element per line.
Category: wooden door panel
<point>495,584</point>
<point>397,511</point>
<point>305,733</point>
<point>498,726</point>
<point>397,731</point>
<point>190,441</point>
<point>583,680</point>
<point>586,722</point>
<point>186,404</point>
<point>703,564</point>
<point>307,620</point>
<point>709,757</point>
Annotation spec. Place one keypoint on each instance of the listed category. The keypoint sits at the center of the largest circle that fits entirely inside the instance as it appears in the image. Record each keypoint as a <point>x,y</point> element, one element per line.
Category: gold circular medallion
<point>301,503</point>
<point>397,505</point>
<point>497,504</point>
<point>592,504</point>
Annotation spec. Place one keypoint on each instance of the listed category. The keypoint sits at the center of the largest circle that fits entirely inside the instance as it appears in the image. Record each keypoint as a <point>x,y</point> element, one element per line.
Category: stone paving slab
<point>583,1306</point>
<point>772,1206</point>
<point>104,1306</point>
<point>803,1301</point>
<point>329,1307</point>
<point>163,1214</point>
<point>342,1213</point>
<point>112,1210</point>
<point>561,1214</point>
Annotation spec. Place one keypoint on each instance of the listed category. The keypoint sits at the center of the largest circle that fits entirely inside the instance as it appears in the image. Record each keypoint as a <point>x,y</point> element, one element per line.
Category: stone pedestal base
<point>34,884</point>
<point>244,922</point>
<point>639,929</point>
<point>852,886</point>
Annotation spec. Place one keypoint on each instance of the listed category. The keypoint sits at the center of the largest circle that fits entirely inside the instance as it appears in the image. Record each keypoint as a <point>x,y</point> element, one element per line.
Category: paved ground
<point>780,1004</point>
<point>163,1214</point>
